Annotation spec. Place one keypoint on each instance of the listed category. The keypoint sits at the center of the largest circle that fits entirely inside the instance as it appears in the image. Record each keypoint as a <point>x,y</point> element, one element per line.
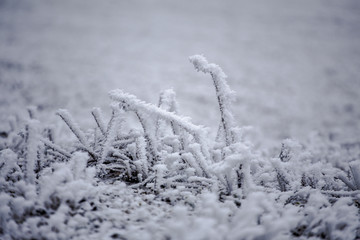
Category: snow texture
<point>279,161</point>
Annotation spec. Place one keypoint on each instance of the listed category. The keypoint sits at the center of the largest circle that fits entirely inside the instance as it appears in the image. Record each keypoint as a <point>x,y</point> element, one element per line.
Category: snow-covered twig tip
<point>201,64</point>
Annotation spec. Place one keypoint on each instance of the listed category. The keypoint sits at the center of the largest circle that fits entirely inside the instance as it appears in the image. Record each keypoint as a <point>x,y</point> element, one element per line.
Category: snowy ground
<point>294,65</point>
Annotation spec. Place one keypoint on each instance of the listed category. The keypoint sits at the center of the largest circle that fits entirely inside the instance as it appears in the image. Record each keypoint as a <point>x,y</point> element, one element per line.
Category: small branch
<point>55,148</point>
<point>67,118</point>
<point>99,120</point>
<point>347,182</point>
<point>31,151</point>
<point>167,102</point>
<point>342,193</point>
<point>92,154</point>
<point>111,133</point>
<point>223,92</point>
<point>149,139</point>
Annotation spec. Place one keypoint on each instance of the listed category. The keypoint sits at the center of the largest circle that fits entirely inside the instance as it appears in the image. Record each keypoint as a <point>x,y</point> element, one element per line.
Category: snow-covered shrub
<point>164,178</point>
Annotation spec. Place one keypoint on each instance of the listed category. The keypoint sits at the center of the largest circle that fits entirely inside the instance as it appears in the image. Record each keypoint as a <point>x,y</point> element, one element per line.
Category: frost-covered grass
<point>150,173</point>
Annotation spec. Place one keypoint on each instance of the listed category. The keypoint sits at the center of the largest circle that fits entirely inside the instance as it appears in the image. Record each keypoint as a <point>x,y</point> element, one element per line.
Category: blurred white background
<point>295,65</point>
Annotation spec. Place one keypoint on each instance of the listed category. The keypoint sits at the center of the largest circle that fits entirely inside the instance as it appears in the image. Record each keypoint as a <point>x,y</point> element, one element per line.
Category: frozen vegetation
<point>148,172</point>
<point>96,139</point>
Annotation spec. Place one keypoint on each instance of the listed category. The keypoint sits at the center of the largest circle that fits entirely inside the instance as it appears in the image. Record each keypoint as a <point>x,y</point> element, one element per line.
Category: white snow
<point>285,159</point>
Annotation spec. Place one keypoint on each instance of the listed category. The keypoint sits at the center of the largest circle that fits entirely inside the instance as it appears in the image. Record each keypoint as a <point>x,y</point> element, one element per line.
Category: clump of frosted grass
<point>167,179</point>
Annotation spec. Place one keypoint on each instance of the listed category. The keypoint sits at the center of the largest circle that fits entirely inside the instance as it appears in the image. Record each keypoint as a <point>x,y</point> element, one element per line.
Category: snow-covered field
<point>295,68</point>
